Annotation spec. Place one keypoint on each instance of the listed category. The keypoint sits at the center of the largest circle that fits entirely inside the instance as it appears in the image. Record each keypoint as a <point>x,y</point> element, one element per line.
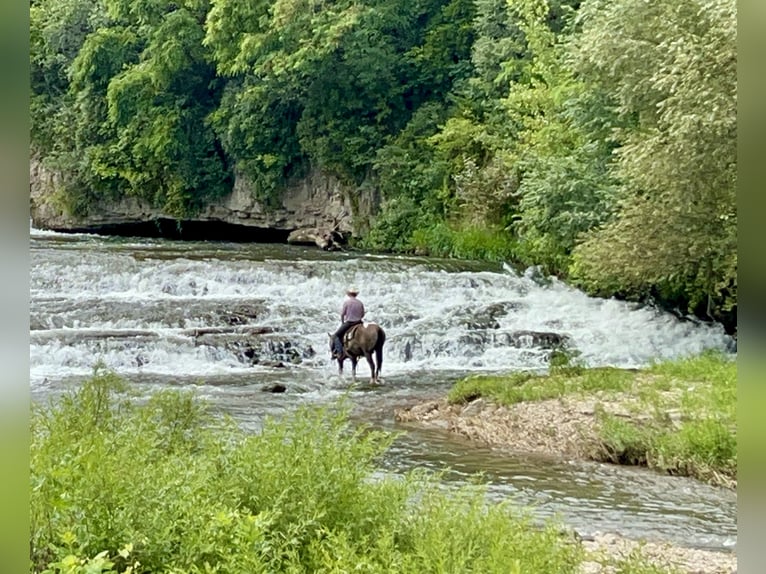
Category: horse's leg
<point>379,342</point>
<point>379,361</point>
<point>353,368</point>
<point>368,356</point>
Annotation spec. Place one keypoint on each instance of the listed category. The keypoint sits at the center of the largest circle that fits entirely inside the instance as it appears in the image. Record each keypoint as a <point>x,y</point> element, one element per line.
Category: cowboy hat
<point>352,291</point>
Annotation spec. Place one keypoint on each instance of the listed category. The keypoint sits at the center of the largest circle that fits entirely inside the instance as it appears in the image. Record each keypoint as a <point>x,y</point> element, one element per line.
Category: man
<point>351,313</point>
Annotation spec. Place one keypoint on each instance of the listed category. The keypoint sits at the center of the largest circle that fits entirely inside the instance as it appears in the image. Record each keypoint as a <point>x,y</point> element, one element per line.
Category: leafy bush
<point>469,242</point>
<point>393,228</point>
<point>121,484</point>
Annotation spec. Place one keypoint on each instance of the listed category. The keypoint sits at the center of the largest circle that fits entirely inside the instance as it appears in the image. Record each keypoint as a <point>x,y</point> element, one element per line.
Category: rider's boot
<point>338,345</point>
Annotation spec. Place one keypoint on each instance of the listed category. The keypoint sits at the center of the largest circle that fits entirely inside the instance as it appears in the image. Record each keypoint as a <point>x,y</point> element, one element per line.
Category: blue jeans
<point>338,335</point>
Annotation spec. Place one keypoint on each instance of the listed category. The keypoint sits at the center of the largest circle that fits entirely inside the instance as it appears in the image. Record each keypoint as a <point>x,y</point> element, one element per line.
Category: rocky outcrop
<point>316,209</point>
<point>327,239</point>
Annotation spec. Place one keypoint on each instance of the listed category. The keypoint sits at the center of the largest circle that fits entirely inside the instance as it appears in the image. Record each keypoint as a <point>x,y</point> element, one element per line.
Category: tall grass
<point>690,420</point>
<point>525,386</point>
<point>163,485</point>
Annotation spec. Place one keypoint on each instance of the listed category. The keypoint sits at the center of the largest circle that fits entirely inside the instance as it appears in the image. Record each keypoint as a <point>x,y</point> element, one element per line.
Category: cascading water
<point>231,318</point>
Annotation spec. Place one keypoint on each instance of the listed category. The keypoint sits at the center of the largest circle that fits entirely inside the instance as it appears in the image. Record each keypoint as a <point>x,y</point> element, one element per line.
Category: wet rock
<point>485,322</point>
<point>274,388</point>
<point>487,317</point>
<point>273,364</point>
<point>326,239</point>
<point>36,324</point>
<point>268,352</point>
<point>420,413</point>
<point>407,351</point>
<point>234,319</point>
<point>243,330</point>
<point>411,348</point>
<point>96,335</point>
<point>476,341</point>
<point>536,274</point>
<point>403,320</point>
<point>539,339</point>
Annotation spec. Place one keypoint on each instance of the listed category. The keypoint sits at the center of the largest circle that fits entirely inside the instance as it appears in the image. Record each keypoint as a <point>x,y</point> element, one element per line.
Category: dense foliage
<point>594,138</point>
<point>120,484</point>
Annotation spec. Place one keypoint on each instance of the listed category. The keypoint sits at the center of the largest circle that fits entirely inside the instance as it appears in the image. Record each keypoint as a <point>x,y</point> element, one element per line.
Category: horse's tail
<point>379,348</point>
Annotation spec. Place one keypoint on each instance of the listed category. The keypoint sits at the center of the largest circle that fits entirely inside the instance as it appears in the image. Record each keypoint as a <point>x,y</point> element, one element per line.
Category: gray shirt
<point>352,310</point>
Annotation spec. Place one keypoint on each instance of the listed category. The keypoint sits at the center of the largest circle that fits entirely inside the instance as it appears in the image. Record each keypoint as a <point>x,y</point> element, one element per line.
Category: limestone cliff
<point>310,208</point>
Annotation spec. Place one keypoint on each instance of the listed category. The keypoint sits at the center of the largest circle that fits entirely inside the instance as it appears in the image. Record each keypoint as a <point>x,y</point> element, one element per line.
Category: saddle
<point>348,335</point>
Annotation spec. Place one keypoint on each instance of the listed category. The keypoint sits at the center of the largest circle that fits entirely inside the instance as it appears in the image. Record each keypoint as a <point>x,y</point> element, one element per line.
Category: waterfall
<point>200,309</point>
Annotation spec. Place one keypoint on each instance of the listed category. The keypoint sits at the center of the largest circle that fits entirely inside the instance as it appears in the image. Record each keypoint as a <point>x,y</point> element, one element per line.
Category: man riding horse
<point>351,313</point>
<point>362,340</point>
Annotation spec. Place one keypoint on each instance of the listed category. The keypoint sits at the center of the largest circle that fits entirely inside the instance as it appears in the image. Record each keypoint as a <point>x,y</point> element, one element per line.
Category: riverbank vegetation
<point>128,484</point>
<point>594,138</point>
<point>677,417</point>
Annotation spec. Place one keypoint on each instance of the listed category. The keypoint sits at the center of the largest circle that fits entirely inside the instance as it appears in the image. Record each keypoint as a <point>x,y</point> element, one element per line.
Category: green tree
<point>670,70</point>
<point>457,138</point>
<point>466,167</point>
<point>412,174</point>
<point>57,30</point>
<point>82,120</point>
<point>563,149</point>
<point>164,147</point>
<point>135,91</point>
<point>331,83</point>
<point>511,129</point>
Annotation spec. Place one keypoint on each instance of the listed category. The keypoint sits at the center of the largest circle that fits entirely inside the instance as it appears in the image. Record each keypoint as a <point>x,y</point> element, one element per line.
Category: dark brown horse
<point>362,340</point>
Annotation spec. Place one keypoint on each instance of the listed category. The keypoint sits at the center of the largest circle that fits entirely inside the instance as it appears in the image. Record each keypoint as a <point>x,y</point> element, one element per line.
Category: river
<point>231,319</point>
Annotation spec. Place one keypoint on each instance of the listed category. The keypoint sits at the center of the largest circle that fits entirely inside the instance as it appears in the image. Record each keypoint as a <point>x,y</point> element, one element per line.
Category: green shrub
<point>466,242</point>
<point>393,228</point>
<point>624,442</point>
<point>436,240</point>
<point>122,484</point>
